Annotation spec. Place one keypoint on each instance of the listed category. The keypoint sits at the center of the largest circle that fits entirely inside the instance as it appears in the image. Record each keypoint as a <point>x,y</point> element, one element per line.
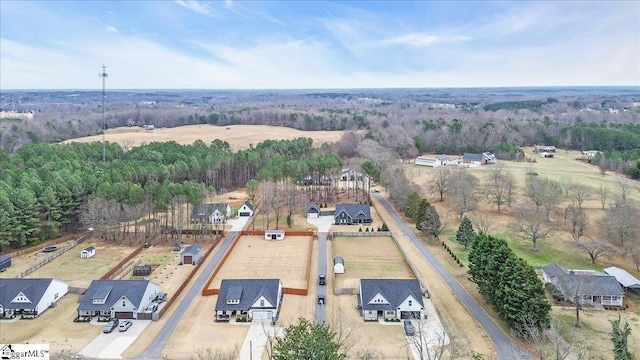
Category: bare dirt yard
<point>385,261</point>
<point>238,136</point>
<point>256,258</point>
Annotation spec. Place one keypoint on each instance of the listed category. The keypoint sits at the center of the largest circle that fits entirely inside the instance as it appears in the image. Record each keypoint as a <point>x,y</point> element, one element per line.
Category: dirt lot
<point>235,135</point>
<point>360,262</point>
<point>256,258</point>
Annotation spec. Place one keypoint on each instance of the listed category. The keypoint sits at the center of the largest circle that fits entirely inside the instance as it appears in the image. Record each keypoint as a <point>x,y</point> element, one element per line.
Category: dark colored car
<point>111,325</point>
<point>321,299</point>
<point>408,328</point>
<point>322,279</point>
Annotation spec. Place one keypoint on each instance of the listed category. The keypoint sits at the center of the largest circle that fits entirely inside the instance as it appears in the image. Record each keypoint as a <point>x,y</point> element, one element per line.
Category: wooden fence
<point>205,289</point>
<point>362,233</point>
<point>38,248</point>
<point>125,270</point>
<point>291,233</point>
<point>118,268</point>
<point>294,291</point>
<point>77,290</point>
<point>46,260</point>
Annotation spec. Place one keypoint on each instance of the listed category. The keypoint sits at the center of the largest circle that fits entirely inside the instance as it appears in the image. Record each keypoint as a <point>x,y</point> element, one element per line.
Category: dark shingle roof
<point>355,211</point>
<point>132,289</point>
<point>313,206</point>
<point>443,157</point>
<point>472,157</point>
<point>33,289</point>
<point>249,205</point>
<point>591,283</point>
<point>90,248</point>
<point>394,290</point>
<point>250,290</point>
<point>192,250</point>
<point>338,260</point>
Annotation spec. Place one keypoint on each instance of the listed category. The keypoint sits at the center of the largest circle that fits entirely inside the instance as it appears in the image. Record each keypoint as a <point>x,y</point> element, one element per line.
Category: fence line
<point>125,269</point>
<point>205,289</point>
<point>46,260</point>
<point>110,274</point>
<point>362,233</point>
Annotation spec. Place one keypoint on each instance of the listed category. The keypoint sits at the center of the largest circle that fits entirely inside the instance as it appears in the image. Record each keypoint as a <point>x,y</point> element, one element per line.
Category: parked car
<point>111,325</point>
<point>151,308</point>
<point>322,279</point>
<point>161,297</point>
<point>124,325</point>
<point>408,328</point>
<point>321,299</point>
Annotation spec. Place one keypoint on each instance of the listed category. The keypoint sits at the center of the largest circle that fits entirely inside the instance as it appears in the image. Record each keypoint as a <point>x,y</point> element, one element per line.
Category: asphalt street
<point>321,310</point>
<point>505,348</point>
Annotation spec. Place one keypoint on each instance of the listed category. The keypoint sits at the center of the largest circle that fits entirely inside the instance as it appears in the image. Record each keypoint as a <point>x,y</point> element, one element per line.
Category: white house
<point>252,299</point>
<point>120,299</point>
<point>391,299</point>
<point>428,161</point>
<point>29,297</point>
<point>591,153</point>
<point>245,210</point>
<point>338,265</point>
<point>88,252</point>
<point>274,234</point>
<point>211,213</point>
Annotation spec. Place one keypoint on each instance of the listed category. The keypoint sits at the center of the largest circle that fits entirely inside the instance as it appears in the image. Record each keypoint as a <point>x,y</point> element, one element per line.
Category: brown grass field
<point>256,258</point>
<point>368,257</point>
<point>238,136</point>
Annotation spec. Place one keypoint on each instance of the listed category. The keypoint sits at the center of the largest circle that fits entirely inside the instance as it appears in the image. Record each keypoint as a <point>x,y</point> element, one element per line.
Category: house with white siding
<point>29,298</point>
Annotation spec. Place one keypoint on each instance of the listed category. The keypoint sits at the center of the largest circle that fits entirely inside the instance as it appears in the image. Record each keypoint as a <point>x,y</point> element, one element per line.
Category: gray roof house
<point>121,299</point>
<point>211,213</point>
<point>252,299</point>
<point>391,299</point>
<point>191,255</point>
<point>246,209</point>
<point>589,286</point>
<point>29,297</point>
<point>349,214</point>
<point>313,210</point>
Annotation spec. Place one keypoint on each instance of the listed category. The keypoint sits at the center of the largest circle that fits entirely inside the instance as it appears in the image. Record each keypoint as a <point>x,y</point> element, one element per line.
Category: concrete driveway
<point>323,223</point>
<point>238,223</point>
<point>433,333</point>
<point>112,345</point>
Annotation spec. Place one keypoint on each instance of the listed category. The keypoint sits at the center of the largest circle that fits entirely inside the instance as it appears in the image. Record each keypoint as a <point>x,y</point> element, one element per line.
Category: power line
<point>103,75</point>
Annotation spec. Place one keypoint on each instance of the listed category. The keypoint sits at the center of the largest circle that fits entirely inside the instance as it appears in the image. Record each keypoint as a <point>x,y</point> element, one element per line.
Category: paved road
<point>505,348</point>
<point>154,350</point>
<point>321,310</point>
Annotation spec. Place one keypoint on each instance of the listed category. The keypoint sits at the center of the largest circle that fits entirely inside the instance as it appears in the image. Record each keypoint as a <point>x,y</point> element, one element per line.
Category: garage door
<point>124,315</point>
<point>410,314</point>
<point>188,259</point>
<point>262,315</point>
<point>244,214</point>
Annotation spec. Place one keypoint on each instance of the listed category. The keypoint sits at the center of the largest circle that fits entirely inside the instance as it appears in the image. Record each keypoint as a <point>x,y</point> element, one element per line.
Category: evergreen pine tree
<point>465,234</point>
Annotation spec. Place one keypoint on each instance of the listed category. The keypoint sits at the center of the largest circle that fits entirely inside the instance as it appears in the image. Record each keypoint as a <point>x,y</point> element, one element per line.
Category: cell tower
<point>103,75</point>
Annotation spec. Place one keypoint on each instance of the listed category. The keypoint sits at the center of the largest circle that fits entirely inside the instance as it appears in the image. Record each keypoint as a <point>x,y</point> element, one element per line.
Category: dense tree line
<point>509,284</point>
<point>45,188</point>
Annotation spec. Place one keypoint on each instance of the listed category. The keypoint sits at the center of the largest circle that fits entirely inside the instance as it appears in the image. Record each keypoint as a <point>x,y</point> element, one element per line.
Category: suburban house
<point>428,161</point>
<point>313,210</point>
<point>592,287</point>
<point>479,159</point>
<point>349,214</point>
<point>211,213</point>
<point>88,252</point>
<point>120,299</point>
<point>338,265</point>
<point>251,299</point>
<point>391,299</point>
<point>191,255</point>
<point>625,279</point>
<point>274,234</point>
<point>544,148</point>
<point>350,175</point>
<point>29,297</point>
<point>245,210</point>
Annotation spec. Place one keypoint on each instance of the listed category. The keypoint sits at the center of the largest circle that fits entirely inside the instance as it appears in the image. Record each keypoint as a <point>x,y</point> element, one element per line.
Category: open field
<point>368,258</point>
<point>256,258</point>
<point>238,136</point>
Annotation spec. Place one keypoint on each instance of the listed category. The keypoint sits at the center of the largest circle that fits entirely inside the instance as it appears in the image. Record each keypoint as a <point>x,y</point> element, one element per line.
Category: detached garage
<point>245,210</point>
<point>313,210</point>
<point>274,235</point>
<point>191,255</point>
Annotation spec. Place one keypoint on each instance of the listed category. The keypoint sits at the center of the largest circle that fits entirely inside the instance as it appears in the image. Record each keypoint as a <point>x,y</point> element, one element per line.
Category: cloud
<point>197,6</point>
<point>420,39</point>
<point>111,29</point>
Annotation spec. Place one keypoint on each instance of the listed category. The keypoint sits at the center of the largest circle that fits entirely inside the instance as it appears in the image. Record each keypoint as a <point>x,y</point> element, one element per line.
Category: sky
<point>189,44</point>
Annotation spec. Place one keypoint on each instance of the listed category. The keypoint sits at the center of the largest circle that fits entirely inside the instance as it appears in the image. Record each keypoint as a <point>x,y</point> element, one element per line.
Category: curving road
<point>154,350</point>
<point>321,310</point>
<point>505,348</point>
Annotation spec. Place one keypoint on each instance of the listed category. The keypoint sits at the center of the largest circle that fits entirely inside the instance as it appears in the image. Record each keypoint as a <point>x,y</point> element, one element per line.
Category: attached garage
<point>191,255</point>
<point>313,210</point>
<point>410,315</point>
<point>262,315</point>
<point>124,315</point>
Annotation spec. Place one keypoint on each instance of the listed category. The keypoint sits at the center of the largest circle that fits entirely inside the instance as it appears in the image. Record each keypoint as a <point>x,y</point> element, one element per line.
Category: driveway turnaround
<point>154,350</point>
<point>112,345</point>
<point>505,348</point>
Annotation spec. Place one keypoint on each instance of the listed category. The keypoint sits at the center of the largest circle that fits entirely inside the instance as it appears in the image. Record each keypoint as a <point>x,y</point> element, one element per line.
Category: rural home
<point>120,299</point>
<point>591,153</point>
<point>592,287</point>
<point>245,210</point>
<point>29,297</point>
<point>252,299</point>
<point>428,161</point>
<point>211,213</point>
<point>350,175</point>
<point>391,299</point>
<point>338,265</point>
<point>313,210</point>
<point>479,159</point>
<point>274,234</point>
<point>625,279</point>
<point>88,252</point>
<point>349,214</point>
<point>544,148</point>
<point>191,255</point>
<point>444,159</point>
<point>546,154</point>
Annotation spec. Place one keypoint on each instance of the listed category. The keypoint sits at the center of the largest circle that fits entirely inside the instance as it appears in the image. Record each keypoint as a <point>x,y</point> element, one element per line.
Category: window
<point>410,302</point>
<point>124,303</point>
<point>261,302</point>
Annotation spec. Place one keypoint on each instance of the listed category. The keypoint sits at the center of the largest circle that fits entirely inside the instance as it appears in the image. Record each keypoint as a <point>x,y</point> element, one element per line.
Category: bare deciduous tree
<point>602,193</point>
<point>633,251</point>
<point>427,342</point>
<point>442,181</point>
<point>497,189</point>
<point>465,192</point>
<point>533,225</point>
<point>595,249</point>
<point>483,223</point>
<point>624,190</point>
<point>620,224</point>
<point>579,193</point>
<point>575,221</point>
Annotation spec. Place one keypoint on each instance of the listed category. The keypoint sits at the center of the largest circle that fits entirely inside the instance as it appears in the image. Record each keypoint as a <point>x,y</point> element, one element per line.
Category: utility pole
<point>103,75</point>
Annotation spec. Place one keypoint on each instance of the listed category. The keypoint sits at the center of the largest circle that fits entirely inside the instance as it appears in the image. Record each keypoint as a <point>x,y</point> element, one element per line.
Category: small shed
<point>5,262</point>
<point>274,235</point>
<point>176,247</point>
<point>142,270</point>
<point>88,252</point>
<point>191,255</point>
<point>338,265</point>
